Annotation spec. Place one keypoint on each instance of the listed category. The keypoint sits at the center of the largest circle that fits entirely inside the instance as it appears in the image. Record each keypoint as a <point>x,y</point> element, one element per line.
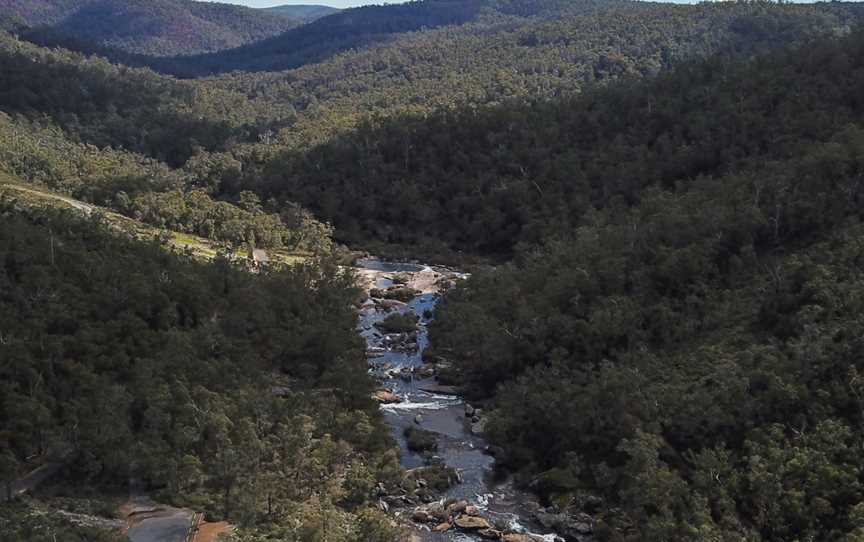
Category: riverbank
<point>480,506</point>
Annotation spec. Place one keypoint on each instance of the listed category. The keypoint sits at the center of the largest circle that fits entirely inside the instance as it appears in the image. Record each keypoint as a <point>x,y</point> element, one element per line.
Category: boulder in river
<point>472,523</point>
<point>571,526</point>
<point>478,428</point>
<point>456,508</point>
<point>516,537</point>
<point>422,515</point>
<point>425,372</point>
<point>386,397</point>
<point>391,304</point>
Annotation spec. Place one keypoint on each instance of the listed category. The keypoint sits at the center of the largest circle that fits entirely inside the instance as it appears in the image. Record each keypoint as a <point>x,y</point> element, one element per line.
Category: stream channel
<point>444,414</point>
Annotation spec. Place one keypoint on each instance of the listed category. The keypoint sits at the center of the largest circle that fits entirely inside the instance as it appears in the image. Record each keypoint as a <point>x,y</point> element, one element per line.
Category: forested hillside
<point>670,195</point>
<point>318,40</point>
<point>109,105</point>
<point>147,27</point>
<point>304,13</point>
<point>141,144</point>
<point>429,167</point>
<point>675,347</point>
<point>120,356</point>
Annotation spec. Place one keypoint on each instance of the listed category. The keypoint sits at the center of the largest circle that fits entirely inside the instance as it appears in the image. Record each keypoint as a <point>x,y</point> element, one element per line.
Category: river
<point>442,414</point>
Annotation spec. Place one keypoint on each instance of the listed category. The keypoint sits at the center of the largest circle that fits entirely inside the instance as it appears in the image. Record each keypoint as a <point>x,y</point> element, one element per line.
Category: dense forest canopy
<point>692,303</point>
<point>671,195</point>
<point>483,180</point>
<point>117,353</point>
<point>148,27</point>
<point>300,12</point>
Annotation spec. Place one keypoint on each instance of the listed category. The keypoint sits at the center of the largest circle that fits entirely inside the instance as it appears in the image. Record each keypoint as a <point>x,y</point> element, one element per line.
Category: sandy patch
<point>209,532</point>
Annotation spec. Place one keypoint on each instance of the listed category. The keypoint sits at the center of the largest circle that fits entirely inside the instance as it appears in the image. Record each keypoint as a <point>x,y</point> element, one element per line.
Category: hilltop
<point>147,27</point>
<point>304,13</point>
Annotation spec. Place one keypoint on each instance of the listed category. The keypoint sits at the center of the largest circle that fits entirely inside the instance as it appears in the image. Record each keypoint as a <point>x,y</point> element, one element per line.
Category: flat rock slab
<point>169,526</point>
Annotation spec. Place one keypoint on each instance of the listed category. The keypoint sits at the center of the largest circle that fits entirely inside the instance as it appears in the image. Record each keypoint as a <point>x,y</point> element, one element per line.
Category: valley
<point>435,271</point>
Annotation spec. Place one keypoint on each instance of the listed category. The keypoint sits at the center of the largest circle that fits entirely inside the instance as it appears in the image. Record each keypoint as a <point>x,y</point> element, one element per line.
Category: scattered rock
<point>472,523</point>
<point>583,528</point>
<point>425,372</point>
<point>571,526</point>
<point>443,527</point>
<point>478,428</point>
<point>386,397</point>
<point>439,389</point>
<point>391,304</point>
<point>423,516</point>
<point>469,411</point>
<point>490,534</point>
<point>472,511</point>
<point>457,508</point>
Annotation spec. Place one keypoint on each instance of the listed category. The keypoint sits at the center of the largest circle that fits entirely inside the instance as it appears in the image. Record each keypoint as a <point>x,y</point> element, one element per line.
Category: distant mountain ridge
<point>148,27</point>
<point>310,43</point>
<point>303,12</point>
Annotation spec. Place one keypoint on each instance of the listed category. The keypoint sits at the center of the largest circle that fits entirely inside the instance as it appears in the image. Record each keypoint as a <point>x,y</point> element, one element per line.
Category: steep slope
<point>105,104</point>
<point>678,354</point>
<point>156,366</point>
<point>304,13</point>
<point>151,27</point>
<point>316,41</point>
<point>500,169</point>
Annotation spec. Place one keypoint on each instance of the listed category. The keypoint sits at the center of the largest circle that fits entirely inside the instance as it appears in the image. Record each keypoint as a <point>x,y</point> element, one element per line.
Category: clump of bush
<point>399,293</point>
<point>420,440</point>
<point>398,323</point>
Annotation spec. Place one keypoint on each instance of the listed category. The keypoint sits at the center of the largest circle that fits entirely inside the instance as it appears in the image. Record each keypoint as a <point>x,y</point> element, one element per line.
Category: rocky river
<point>411,397</point>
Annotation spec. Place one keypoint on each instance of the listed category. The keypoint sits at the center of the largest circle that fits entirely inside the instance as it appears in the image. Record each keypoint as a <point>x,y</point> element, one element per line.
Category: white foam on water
<point>410,405</point>
<point>450,398</point>
<point>483,500</point>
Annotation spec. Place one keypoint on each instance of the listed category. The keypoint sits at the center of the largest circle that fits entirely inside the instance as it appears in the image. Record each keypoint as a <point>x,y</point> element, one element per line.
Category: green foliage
<point>148,191</point>
<point>432,167</point>
<point>108,105</point>
<point>19,521</point>
<point>398,323</point>
<point>420,440</point>
<point>695,309</point>
<point>305,13</point>
<point>151,27</point>
<point>124,355</point>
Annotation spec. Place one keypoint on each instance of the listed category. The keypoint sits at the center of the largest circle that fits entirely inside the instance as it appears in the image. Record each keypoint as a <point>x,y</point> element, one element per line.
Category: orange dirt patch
<point>209,532</point>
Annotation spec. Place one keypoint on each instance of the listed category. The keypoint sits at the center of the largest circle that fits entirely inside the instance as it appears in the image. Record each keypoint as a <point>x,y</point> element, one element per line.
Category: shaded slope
<point>152,27</point>
<point>484,180</point>
<point>304,13</point>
